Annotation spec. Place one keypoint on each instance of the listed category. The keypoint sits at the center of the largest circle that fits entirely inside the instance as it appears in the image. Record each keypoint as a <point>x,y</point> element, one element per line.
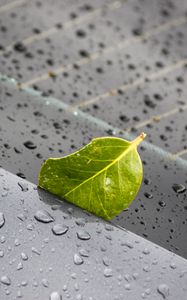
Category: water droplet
<point>43,216</point>
<point>59,229</point>
<point>19,47</point>
<point>2,219</point>
<point>24,283</point>
<point>109,227</point>
<point>1,253</point>
<point>21,217</point>
<point>65,288</point>
<point>147,268</point>
<point>29,145</point>
<point>35,283</point>
<point>45,282</point>
<point>127,244</point>
<point>148,291</point>
<point>108,181</point>
<point>173,265</point>
<point>23,186</point>
<point>30,226</point>
<point>7,292</point>
<point>127,286</point>
<point>106,261</point>
<point>83,235</point>
<point>127,277</point>
<point>163,289</point>
<point>80,222</point>
<point>55,296</point>
<point>5,280</point>
<point>178,188</point>
<point>3,239</point>
<point>162,203</point>
<point>16,242</point>
<point>76,286</point>
<point>36,251</point>
<point>103,248</point>
<point>70,210</point>
<point>4,193</point>
<point>78,260</point>
<point>147,181</point>
<point>148,195</point>
<point>146,251</point>
<point>108,272</point>
<point>56,207</point>
<point>135,275</point>
<point>19,294</point>
<point>24,256</point>
<point>83,252</point>
<point>19,266</point>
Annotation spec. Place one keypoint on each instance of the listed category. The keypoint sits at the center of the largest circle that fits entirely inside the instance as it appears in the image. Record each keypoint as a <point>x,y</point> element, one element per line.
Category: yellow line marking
<point>159,29</point>
<point>11,5</point>
<point>96,55</point>
<point>46,33</point>
<point>111,6</point>
<point>130,85</point>
<point>177,154</point>
<point>56,72</point>
<point>40,36</point>
<point>159,117</point>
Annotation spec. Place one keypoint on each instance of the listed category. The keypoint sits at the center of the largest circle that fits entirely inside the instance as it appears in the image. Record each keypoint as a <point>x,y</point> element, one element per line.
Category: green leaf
<point>103,177</point>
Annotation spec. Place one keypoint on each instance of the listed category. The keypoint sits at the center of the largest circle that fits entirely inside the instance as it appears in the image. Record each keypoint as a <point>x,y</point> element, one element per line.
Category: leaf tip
<point>139,139</point>
<point>143,135</point>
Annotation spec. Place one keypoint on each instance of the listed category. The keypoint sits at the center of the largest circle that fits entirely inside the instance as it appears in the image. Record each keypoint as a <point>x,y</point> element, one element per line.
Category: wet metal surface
<point>34,128</point>
<point>74,70</point>
<point>109,58</point>
<point>92,260</point>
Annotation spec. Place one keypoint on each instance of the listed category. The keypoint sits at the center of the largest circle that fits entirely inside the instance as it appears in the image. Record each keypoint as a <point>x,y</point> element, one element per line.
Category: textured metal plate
<point>54,132</point>
<point>74,70</point>
<point>91,260</point>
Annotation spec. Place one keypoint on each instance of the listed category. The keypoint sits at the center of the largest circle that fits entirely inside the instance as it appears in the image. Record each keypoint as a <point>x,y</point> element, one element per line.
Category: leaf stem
<point>139,139</point>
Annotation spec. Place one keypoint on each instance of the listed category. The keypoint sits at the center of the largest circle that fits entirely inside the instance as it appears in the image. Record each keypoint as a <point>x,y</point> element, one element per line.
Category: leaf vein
<point>131,145</point>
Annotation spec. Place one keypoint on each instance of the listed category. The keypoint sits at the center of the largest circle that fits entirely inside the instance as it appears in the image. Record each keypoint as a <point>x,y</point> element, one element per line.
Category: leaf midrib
<point>131,145</point>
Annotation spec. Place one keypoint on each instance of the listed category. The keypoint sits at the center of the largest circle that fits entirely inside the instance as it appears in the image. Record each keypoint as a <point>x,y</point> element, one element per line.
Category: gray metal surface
<point>71,71</point>
<point>158,212</point>
<point>92,260</point>
<point>123,62</point>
